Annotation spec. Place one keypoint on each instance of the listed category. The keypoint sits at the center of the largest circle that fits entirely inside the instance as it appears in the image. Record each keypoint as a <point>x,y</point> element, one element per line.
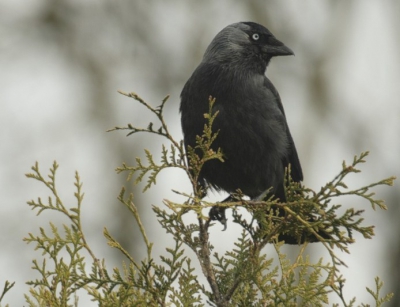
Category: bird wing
<point>292,158</point>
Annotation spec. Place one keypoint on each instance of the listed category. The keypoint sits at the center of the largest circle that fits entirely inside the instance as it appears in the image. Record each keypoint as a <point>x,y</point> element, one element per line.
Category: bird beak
<point>276,48</point>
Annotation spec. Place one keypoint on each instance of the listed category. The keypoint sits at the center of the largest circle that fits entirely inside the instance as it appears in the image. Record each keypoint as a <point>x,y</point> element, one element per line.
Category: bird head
<point>247,44</point>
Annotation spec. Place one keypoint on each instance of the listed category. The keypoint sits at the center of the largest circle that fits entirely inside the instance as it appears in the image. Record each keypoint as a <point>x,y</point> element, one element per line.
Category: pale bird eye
<point>255,36</point>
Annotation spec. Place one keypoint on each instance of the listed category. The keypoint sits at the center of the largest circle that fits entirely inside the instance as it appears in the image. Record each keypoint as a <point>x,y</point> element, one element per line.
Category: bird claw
<point>218,214</point>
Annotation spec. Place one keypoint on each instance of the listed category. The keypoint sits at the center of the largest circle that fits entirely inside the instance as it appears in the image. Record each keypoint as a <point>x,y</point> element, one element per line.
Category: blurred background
<point>62,62</point>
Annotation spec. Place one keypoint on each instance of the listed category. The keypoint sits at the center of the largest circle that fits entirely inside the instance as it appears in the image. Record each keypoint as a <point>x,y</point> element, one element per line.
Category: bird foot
<point>217,213</point>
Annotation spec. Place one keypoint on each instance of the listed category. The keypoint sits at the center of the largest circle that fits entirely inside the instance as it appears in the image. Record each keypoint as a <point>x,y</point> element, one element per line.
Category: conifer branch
<point>242,276</point>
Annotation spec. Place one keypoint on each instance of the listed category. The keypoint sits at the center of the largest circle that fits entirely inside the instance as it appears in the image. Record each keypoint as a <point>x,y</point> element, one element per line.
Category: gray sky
<point>62,63</point>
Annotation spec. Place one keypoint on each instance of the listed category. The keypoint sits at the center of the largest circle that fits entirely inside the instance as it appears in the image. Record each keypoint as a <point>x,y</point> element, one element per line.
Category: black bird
<point>253,133</point>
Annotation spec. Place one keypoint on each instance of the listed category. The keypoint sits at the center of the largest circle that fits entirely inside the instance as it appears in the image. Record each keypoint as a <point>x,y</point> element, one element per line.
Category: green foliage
<point>243,276</point>
<point>7,287</point>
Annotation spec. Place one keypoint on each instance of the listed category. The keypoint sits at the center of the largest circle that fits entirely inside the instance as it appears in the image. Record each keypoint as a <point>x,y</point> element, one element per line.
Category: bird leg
<point>262,196</point>
<point>217,213</point>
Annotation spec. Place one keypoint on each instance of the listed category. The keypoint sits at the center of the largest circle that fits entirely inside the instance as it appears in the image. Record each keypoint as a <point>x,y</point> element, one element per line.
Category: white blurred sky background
<point>62,62</point>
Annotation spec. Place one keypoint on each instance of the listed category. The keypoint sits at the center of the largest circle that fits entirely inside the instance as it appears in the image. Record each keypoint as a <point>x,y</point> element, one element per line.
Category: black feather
<point>253,132</point>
